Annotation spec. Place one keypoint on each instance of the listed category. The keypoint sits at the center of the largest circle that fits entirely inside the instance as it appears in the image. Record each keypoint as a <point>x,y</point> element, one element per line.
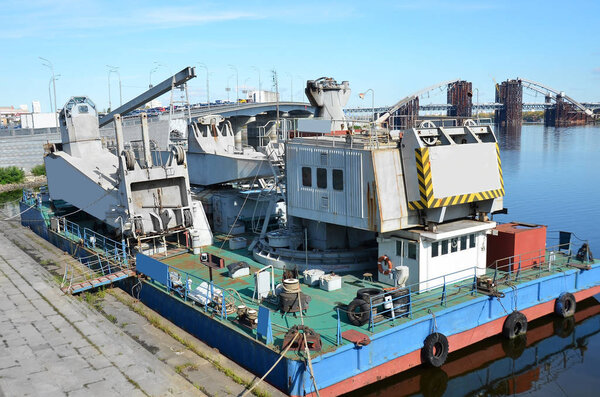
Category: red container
<point>516,243</point>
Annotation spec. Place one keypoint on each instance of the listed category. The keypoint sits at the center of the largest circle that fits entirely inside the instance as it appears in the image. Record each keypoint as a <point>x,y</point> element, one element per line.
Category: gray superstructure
<point>140,199</point>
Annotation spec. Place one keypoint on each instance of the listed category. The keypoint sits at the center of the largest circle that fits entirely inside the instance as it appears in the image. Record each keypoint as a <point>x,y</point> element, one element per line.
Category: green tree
<point>11,175</point>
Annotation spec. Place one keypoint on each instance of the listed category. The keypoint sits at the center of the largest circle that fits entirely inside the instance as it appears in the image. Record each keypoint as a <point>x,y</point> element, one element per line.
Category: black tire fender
<point>565,305</point>
<point>514,325</point>
<point>359,312</point>
<point>435,350</point>
<point>366,293</point>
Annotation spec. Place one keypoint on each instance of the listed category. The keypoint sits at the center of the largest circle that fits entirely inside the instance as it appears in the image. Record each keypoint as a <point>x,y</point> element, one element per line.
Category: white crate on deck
<point>330,282</point>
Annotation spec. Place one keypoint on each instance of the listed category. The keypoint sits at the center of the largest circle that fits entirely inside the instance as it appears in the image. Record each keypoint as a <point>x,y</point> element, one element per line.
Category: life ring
<point>388,262</point>
<point>435,349</point>
<point>514,325</point>
<point>565,305</point>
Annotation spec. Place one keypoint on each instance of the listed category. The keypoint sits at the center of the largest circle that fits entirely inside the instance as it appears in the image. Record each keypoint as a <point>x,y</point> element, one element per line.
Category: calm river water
<point>552,177</point>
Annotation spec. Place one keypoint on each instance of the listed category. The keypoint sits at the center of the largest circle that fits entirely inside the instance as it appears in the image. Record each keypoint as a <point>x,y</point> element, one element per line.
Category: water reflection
<point>553,347</point>
<point>509,137</point>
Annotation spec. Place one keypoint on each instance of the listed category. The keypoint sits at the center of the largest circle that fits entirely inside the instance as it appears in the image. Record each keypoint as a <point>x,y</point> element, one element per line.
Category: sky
<point>393,47</point>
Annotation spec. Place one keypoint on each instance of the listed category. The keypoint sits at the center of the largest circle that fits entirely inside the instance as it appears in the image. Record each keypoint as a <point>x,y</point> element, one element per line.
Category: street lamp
<point>291,87</point>
<point>228,88</point>
<point>49,94</point>
<point>245,87</point>
<point>49,65</point>
<point>259,85</point>
<point>362,96</point>
<point>237,84</point>
<point>115,69</point>
<point>207,87</point>
<point>154,69</point>
<point>477,105</point>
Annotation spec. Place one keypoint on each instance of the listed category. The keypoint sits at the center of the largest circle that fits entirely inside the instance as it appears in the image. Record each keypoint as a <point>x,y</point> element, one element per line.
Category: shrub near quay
<point>11,175</point>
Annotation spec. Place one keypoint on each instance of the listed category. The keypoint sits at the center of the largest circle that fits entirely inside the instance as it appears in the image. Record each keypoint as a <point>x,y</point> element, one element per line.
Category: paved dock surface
<point>56,345</point>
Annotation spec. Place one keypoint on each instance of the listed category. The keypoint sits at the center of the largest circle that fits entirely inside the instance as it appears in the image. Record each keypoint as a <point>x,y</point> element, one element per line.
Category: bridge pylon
<point>509,93</point>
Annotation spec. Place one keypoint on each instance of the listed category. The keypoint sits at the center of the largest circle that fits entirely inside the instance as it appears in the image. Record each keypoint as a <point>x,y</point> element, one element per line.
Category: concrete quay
<point>54,345</point>
<point>96,345</point>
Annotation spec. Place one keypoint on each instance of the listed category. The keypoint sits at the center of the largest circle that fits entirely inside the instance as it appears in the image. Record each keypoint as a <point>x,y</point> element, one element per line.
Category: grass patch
<point>39,170</point>
<point>155,321</point>
<point>186,366</point>
<point>111,318</point>
<point>11,175</point>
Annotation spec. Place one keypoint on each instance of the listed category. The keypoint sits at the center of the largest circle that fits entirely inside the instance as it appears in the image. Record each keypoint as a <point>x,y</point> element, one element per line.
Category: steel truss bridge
<point>548,92</point>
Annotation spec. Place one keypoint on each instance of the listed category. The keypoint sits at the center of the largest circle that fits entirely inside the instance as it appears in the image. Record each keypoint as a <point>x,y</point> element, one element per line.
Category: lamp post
<point>49,65</point>
<point>115,69</point>
<point>237,83</point>
<point>362,96</point>
<point>477,105</point>
<point>154,69</point>
<point>207,86</point>
<point>291,87</point>
<point>245,87</point>
<point>259,85</point>
<point>228,88</point>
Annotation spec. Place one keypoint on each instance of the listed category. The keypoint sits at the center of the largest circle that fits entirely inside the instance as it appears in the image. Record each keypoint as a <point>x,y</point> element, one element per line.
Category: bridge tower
<point>460,96</point>
<point>564,114</point>
<point>510,93</point>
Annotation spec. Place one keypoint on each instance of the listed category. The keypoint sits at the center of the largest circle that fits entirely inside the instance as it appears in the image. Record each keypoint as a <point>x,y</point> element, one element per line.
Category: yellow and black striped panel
<point>424,175</point>
<point>500,168</point>
<point>426,188</point>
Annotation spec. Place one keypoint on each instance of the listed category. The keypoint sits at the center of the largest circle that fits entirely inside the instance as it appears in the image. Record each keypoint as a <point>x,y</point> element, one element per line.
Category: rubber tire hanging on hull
<point>435,350</point>
<point>514,325</point>
<point>565,305</point>
<point>361,316</point>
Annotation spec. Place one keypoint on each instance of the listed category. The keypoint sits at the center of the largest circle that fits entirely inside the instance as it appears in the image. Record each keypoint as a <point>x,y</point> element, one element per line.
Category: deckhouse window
<point>322,178</point>
<point>306,176</point>
<point>471,240</point>
<point>435,249</point>
<point>412,251</point>
<point>338,179</point>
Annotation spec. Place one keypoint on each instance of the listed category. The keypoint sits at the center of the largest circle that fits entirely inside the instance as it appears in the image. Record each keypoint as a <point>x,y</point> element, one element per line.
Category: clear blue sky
<point>394,47</point>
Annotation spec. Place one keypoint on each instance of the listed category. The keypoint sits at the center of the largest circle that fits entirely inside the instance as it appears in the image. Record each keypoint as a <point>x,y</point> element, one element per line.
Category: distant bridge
<point>486,106</point>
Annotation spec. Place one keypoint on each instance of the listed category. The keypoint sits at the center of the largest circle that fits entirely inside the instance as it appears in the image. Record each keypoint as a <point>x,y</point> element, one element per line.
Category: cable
<point>273,367</point>
<point>240,211</point>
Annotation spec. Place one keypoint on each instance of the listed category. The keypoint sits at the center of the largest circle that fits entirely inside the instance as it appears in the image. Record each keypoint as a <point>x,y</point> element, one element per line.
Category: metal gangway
<point>105,260</point>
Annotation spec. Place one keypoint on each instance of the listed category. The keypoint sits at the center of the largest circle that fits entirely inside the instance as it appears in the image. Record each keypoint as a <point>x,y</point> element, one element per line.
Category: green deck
<point>322,312</point>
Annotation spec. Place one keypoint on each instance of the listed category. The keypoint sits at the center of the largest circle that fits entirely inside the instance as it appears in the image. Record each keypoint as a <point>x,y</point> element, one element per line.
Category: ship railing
<point>425,296</point>
<point>90,267</point>
<point>352,133</point>
<point>213,298</point>
<point>110,249</point>
<point>411,300</point>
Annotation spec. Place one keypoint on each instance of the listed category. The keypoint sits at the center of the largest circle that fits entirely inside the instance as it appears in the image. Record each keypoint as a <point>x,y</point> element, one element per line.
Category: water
<point>552,177</point>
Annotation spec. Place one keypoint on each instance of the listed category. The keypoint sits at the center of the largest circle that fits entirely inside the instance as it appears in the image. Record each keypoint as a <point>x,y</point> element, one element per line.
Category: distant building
<point>262,96</point>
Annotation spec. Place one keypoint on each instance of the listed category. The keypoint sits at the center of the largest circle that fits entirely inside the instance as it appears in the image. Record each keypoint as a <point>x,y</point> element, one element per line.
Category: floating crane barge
<point>429,272</point>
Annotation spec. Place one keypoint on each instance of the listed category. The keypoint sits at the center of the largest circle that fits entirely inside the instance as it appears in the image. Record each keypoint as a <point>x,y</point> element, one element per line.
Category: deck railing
<point>417,299</point>
<point>208,294</point>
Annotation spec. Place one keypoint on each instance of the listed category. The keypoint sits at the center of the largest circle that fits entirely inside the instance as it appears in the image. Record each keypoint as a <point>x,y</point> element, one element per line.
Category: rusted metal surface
<point>460,96</point>
<point>510,93</point>
<point>356,337</point>
<point>313,339</point>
